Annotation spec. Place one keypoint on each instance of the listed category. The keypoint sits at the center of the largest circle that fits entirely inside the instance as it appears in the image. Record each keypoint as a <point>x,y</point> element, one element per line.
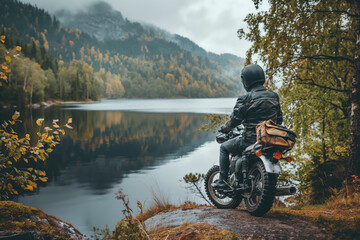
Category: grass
<point>195,231</point>
<point>339,216</point>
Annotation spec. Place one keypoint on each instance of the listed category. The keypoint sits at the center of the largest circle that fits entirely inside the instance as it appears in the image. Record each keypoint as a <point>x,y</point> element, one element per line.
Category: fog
<point>211,24</point>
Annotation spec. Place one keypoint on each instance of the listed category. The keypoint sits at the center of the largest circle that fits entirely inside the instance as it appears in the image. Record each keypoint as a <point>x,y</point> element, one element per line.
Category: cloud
<point>212,24</point>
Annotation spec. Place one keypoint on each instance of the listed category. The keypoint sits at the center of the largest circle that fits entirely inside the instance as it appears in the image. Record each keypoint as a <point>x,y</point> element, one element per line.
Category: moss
<point>11,211</point>
<point>15,217</point>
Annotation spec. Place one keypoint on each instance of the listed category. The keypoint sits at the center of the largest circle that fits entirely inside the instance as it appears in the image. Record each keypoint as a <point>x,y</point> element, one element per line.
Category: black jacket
<point>259,104</point>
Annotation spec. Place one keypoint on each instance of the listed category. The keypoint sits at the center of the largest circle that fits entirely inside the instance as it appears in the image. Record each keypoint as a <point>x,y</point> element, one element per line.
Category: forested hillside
<point>102,22</point>
<point>72,65</point>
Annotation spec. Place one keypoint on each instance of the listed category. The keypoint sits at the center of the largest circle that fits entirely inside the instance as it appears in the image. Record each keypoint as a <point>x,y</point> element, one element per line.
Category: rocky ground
<point>271,226</point>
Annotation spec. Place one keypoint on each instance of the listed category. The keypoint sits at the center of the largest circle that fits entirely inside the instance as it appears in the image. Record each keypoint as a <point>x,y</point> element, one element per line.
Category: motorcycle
<point>253,177</point>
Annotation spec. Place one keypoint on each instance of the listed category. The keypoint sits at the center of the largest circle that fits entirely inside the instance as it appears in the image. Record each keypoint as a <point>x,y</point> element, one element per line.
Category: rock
<point>22,222</point>
<point>271,226</point>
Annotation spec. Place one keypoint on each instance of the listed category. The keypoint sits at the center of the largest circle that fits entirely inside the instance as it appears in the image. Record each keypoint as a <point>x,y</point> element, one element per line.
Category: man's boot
<point>220,183</point>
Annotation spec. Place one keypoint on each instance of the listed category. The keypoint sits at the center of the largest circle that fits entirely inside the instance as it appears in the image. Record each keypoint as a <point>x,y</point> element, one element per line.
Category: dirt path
<point>271,226</point>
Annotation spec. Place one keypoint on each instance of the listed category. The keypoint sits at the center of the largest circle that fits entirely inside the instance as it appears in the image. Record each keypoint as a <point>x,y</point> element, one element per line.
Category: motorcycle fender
<point>271,167</point>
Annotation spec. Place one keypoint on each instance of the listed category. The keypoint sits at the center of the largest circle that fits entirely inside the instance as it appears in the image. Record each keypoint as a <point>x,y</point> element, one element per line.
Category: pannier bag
<point>269,134</point>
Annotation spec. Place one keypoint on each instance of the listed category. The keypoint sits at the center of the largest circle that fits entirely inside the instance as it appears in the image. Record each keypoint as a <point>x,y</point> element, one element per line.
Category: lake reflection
<point>114,144</point>
<point>139,152</point>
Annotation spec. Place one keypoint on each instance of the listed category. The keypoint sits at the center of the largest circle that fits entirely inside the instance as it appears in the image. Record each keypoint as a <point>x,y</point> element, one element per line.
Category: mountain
<point>101,21</point>
<point>128,59</point>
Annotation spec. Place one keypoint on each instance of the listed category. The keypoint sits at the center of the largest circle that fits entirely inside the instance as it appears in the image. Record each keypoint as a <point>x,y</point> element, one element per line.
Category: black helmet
<point>252,75</point>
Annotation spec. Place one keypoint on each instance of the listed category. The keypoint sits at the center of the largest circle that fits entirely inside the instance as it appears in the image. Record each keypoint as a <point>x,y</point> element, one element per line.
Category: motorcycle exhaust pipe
<point>283,191</point>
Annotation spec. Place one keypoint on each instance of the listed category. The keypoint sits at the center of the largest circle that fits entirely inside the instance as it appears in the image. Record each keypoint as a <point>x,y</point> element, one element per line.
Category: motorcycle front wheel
<point>263,184</point>
<point>216,197</point>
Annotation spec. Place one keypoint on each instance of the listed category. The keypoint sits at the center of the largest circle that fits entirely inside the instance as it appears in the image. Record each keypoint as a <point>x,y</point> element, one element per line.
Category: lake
<point>139,146</point>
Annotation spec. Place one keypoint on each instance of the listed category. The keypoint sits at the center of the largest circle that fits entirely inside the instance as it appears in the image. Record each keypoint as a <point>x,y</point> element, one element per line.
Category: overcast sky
<point>212,24</point>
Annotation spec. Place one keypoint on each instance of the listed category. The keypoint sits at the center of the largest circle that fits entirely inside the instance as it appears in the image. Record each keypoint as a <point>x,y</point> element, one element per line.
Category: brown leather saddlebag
<point>269,134</point>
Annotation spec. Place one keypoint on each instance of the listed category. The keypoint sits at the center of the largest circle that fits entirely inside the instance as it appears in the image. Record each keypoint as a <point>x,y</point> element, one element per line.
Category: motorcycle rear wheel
<point>263,185</point>
<point>218,199</point>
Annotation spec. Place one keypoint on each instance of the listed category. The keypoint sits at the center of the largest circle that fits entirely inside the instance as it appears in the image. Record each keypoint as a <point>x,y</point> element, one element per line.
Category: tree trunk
<point>354,160</point>
<point>60,78</point>
<point>31,91</point>
<point>26,76</point>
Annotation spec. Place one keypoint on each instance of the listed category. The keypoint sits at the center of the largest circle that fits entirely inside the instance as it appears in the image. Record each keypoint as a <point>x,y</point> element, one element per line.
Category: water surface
<point>139,146</point>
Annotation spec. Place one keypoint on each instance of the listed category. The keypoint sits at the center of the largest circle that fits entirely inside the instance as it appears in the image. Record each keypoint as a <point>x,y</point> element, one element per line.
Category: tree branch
<point>336,11</point>
<point>310,81</point>
<point>324,57</point>
<point>343,110</point>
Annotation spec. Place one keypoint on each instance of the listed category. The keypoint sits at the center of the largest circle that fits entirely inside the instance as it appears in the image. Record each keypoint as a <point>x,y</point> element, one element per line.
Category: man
<point>257,105</point>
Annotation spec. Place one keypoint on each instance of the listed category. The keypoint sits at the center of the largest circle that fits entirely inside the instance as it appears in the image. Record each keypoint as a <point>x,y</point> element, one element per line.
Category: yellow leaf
<point>25,160</point>
<point>16,115</point>
<point>27,136</point>
<point>18,48</point>
<point>2,37</point>
<point>49,150</point>
<point>38,122</point>
<point>69,121</point>
<point>22,150</point>
<point>56,126</point>
<point>44,179</point>
<point>29,187</point>
<point>41,173</point>
<point>9,162</point>
<point>8,59</point>
<point>68,126</point>
<point>30,169</point>
<point>33,184</point>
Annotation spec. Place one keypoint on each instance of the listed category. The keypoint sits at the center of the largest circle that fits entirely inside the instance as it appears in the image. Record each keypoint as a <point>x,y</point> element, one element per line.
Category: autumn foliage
<point>22,160</point>
<point>5,59</point>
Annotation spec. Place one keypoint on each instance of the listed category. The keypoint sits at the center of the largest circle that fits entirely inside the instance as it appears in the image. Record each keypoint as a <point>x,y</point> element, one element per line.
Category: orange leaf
<point>44,179</point>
